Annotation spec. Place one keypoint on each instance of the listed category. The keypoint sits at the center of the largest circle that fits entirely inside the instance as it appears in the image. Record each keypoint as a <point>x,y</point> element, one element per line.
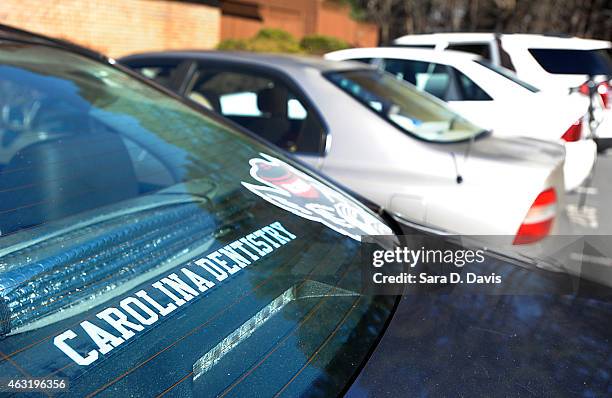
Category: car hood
<point>456,343</point>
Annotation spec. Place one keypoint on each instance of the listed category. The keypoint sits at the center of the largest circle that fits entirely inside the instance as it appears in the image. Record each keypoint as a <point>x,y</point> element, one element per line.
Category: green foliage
<point>267,40</point>
<point>274,34</point>
<point>272,40</point>
<point>234,45</point>
<point>321,44</point>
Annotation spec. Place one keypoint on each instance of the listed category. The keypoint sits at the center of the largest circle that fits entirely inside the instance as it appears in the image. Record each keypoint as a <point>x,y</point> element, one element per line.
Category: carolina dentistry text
<point>147,306</point>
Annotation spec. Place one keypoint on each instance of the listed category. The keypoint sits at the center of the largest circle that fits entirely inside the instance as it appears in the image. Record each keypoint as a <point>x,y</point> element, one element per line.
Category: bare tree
<point>586,18</point>
<point>383,12</point>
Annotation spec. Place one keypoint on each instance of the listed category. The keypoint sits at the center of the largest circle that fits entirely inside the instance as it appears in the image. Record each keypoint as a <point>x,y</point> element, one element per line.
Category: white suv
<point>548,62</point>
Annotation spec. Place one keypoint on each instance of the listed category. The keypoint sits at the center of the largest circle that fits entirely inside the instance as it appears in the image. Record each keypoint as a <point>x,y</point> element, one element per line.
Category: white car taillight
<point>539,218</point>
<point>605,92</point>
<point>603,89</point>
<point>574,132</point>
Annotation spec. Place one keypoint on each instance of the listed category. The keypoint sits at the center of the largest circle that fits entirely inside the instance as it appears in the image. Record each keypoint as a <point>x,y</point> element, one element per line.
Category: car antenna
<point>466,156</point>
<point>459,177</point>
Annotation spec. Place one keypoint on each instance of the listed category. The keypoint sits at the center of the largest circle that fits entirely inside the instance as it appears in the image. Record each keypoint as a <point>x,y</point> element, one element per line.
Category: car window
<point>435,79</point>
<point>147,247</point>
<point>470,91</point>
<point>573,62</point>
<point>426,76</point>
<point>364,60</point>
<point>263,105</point>
<point>425,46</point>
<point>164,74</point>
<point>504,58</point>
<point>404,105</point>
<point>482,49</point>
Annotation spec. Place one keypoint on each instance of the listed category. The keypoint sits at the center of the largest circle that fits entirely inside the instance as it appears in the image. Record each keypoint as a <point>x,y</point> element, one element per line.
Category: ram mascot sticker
<point>296,192</point>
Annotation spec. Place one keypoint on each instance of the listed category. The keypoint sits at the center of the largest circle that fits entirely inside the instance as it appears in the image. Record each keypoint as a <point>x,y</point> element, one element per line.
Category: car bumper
<point>580,158</point>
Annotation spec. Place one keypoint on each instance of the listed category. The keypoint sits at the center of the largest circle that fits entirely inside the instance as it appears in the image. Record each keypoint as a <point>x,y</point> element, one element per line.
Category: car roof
<point>276,61</point>
<point>548,41</point>
<point>429,55</point>
<point>526,39</point>
<point>433,38</point>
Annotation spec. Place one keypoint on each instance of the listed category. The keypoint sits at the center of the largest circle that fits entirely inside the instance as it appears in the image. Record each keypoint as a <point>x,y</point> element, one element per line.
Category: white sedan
<point>492,97</point>
<point>553,63</point>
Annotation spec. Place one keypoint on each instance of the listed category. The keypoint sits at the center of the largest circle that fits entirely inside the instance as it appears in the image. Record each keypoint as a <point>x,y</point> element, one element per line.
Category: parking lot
<point>364,198</point>
<point>588,208</point>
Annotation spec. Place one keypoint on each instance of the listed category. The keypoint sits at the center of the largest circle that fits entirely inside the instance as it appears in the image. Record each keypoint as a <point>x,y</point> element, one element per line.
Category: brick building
<point>121,27</point>
<point>243,18</point>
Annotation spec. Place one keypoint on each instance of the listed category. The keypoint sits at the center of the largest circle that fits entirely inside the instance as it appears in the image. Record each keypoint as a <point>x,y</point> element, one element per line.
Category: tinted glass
<point>504,57</point>
<point>405,69</point>
<point>263,105</point>
<point>442,81</point>
<point>429,46</point>
<point>470,91</point>
<point>363,60</point>
<point>573,62</point>
<point>426,76</point>
<point>404,106</point>
<point>483,49</point>
<point>167,74</point>
<point>147,248</point>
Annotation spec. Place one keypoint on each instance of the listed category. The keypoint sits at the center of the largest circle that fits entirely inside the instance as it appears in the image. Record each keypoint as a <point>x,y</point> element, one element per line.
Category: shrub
<point>234,45</point>
<point>272,40</point>
<point>321,44</point>
<point>274,34</point>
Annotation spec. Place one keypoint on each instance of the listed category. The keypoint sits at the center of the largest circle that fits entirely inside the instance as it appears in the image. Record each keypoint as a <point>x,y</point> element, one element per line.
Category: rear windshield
<point>147,248</point>
<point>508,74</point>
<point>573,62</point>
<point>404,106</point>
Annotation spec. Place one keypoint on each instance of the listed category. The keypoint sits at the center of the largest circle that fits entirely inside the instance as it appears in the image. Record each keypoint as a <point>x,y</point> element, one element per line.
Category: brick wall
<point>118,27</point>
<point>300,17</point>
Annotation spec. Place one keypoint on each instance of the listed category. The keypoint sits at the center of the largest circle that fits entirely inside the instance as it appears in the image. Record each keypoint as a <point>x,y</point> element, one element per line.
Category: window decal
<point>290,189</point>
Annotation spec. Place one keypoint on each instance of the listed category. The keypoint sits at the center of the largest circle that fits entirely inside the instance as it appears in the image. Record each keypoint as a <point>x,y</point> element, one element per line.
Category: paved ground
<point>595,216</point>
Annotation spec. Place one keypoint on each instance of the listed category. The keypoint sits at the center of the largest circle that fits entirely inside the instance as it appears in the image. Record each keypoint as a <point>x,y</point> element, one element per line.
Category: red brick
<point>118,27</point>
